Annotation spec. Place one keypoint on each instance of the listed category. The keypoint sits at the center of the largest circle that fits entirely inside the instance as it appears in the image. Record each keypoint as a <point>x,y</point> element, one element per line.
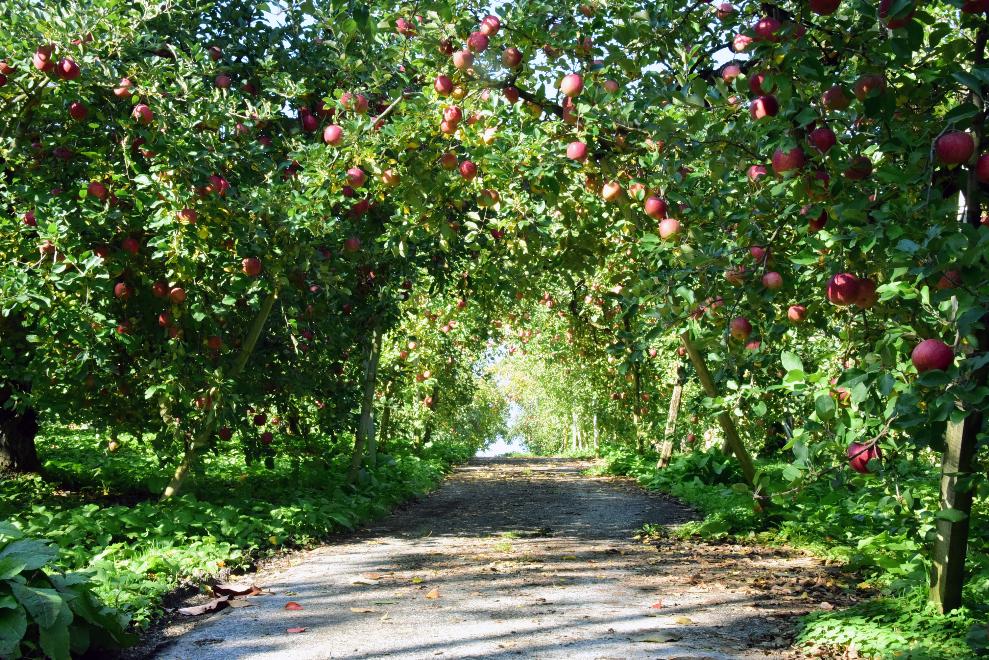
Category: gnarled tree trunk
<point>364,441</point>
<point>17,433</point>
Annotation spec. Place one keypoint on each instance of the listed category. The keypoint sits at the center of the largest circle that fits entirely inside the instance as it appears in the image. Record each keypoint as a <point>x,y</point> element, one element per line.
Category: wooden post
<point>666,451</point>
<point>732,439</point>
<point>640,445</point>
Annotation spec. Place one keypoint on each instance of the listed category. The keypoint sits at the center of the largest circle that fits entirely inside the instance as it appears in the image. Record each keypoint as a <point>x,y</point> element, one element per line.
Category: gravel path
<point>521,558</point>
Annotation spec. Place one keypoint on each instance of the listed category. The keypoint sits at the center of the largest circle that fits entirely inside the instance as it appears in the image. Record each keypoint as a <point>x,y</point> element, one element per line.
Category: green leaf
<point>13,625</point>
<point>791,361</point>
<point>824,406</point>
<point>951,515</point>
<point>32,553</point>
<point>54,639</point>
<point>43,605</point>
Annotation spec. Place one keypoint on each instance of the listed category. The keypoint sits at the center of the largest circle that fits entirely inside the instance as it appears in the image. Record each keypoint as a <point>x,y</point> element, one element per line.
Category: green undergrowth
<point>879,528</point>
<point>102,512</point>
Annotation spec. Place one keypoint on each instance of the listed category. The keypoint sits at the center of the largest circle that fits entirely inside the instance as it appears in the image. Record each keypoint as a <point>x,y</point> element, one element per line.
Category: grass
<point>878,527</point>
<point>101,511</point>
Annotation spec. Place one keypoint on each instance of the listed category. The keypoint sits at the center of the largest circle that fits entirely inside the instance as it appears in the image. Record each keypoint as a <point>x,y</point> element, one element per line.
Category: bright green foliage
<point>45,612</point>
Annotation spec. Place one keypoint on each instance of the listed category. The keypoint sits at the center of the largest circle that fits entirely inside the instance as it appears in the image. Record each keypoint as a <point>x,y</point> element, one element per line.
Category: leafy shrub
<point>42,611</point>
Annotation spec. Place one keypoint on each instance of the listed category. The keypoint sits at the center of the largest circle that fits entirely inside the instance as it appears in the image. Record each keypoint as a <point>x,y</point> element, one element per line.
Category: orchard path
<point>520,558</point>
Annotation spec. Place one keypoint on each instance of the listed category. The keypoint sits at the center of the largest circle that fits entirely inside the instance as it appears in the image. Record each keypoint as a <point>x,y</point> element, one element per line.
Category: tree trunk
<point>427,433</point>
<point>17,432</point>
<point>202,438</point>
<point>732,439</point>
<point>666,451</point>
<point>961,439</point>
<point>364,439</point>
<point>640,445</point>
<point>597,444</point>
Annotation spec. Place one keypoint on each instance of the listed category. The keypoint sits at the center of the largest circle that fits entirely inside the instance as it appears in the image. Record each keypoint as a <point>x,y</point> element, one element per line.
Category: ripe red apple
<point>177,295</point>
<point>954,147</point>
<point>669,228</point>
<point>490,25</point>
<point>214,343</point>
<point>741,42</point>
<point>468,170</point>
<point>225,433</point>
<point>267,438</point>
<point>260,419</point>
<point>448,161</point>
<point>740,328</point>
<point>758,84</point>
<point>766,29</point>
<point>463,59</point>
<point>143,114</point>
<point>764,106</point>
<point>130,245</point>
<point>188,216</point>
<point>691,438</point>
<point>78,110</point>
<point>824,7</point>
<point>511,57</point>
<point>577,151</point>
<point>123,89</point>
<point>97,190</point>
<point>405,28</point>
<point>756,172</point>
<point>611,191</point>
<point>949,280</point>
<point>390,177</point>
<point>251,266</point>
<point>772,280</point>
<point>42,59</point>
<point>333,135</point>
<point>122,291</point>
<point>572,85</point>
<point>611,86</point>
<point>869,85</point>
<point>822,139</point>
<point>356,177</point>
<point>656,207</point>
<point>834,98</point>
<point>477,42</point>
<point>859,456</point>
<point>932,354</point>
<point>223,81</point>
<point>443,85</point>
<point>352,244</point>
<point>215,53</point>
<point>218,185</point>
<point>843,289</point>
<point>164,319</point>
<point>816,224</point>
<point>310,124</point>
<point>982,168</point>
<point>511,94</point>
<point>729,72</point>
<point>30,220</point>
<point>866,296</point>
<point>453,114</point>
<point>160,289</point>
<point>787,161</point>
<point>796,313</point>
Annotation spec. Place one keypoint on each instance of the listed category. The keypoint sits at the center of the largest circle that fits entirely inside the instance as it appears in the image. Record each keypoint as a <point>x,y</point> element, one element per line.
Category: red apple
<point>740,328</point>
<point>869,85</point>
<point>572,85</point>
<point>766,29</point>
<point>982,168</point>
<point>123,89</point>
<point>463,59</point>
<point>954,147</point>
<point>333,135</point>
<point>223,81</point>
<point>310,124</point>
<point>468,170</point>
<point>859,456</point>
<point>42,59</point>
<point>251,266</point>
<point>577,151</point>
<point>755,172</point>
<point>490,25</point>
<point>611,191</point>
<point>448,161</point>
<point>730,72</point>
<point>97,190</point>
<point>405,28</point>
<point>143,114</point>
<point>787,161</point>
<point>122,291</point>
<point>511,94</point>
<point>160,289</point>
<point>214,343</point>
<point>669,228</point>
<point>352,244</point>
<point>356,177</point>
<point>656,207</point>
<point>215,53</point>
<point>477,42</point>
<point>932,354</point>
<point>822,139</point>
<point>843,289</point>
<point>30,220</point>
<point>824,7</point>
<point>894,23</point>
<point>860,168</point>
<point>834,98</point>
<point>758,86</point>
<point>866,296</point>
<point>511,57</point>
<point>443,85</point>
<point>796,313</point>
<point>188,216</point>
<point>452,114</point>
<point>772,280</point>
<point>764,106</point>
<point>78,110</point>
<point>177,295</point>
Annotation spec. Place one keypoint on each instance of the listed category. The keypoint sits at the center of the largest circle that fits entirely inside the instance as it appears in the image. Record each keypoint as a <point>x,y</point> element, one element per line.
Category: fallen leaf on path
<point>433,594</point>
<point>827,607</point>
<point>658,638</point>
<point>684,620</point>
<point>365,581</point>
<point>292,605</point>
<point>657,605</point>
<point>213,606</point>
<point>384,618</point>
<point>373,576</point>
<point>386,602</point>
<point>241,603</point>
<point>295,630</point>
<point>362,610</point>
<point>569,557</point>
<point>416,580</point>
<point>237,590</point>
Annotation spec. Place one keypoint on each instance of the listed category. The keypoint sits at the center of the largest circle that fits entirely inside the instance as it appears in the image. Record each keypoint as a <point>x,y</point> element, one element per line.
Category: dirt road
<point>521,558</point>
